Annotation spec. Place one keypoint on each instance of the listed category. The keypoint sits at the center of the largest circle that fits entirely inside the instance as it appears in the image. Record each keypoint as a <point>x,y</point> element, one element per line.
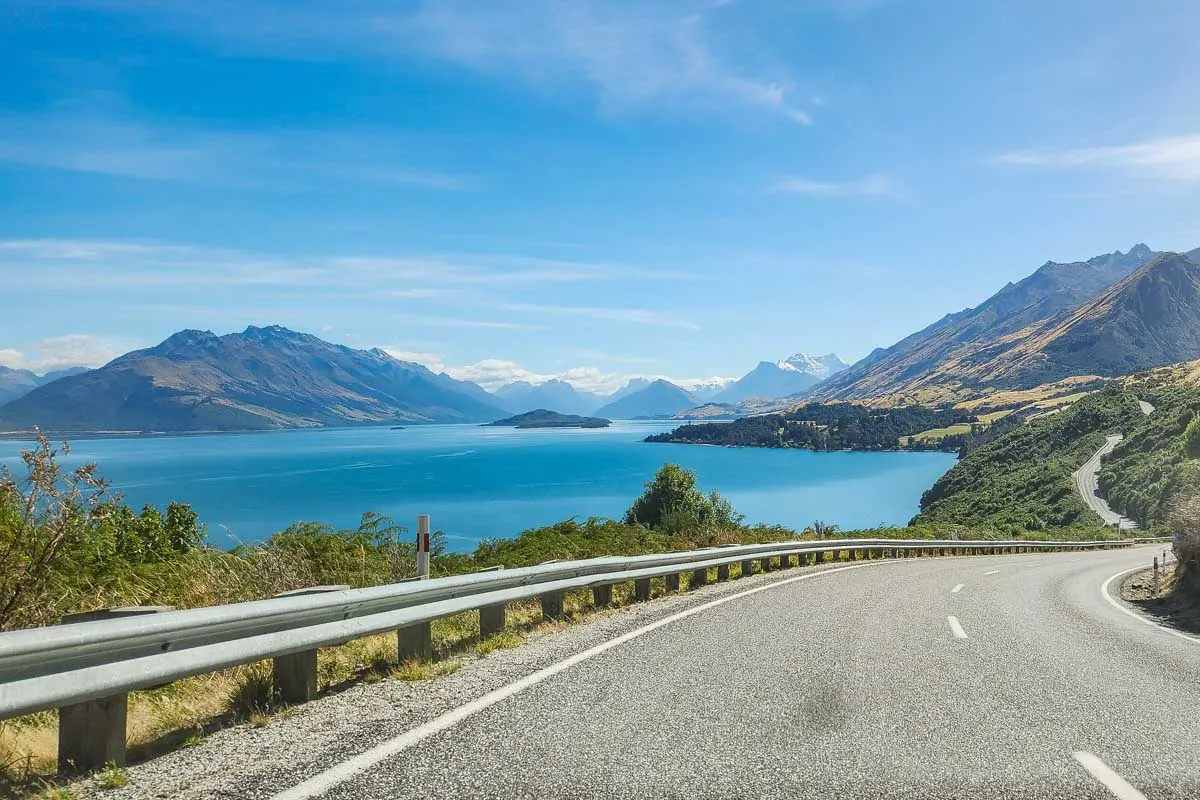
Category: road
<point>1087,484</point>
<point>973,677</point>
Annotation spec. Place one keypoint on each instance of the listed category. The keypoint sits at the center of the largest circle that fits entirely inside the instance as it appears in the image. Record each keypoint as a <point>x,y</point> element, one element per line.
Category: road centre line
<point>956,628</point>
<point>993,572</point>
<point>956,589</point>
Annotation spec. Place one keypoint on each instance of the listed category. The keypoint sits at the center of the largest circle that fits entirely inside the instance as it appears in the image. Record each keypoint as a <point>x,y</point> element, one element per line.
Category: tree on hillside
<point>1191,438</point>
<point>672,501</point>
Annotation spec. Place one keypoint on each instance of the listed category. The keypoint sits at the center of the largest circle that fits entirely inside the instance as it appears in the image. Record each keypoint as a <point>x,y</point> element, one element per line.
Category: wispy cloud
<point>639,316</point>
<point>68,265</point>
<point>105,142</point>
<point>1172,159</point>
<point>636,57</point>
<point>870,186</point>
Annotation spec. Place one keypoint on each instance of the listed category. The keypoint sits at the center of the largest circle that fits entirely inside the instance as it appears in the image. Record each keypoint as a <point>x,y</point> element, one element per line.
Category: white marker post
<point>422,545</point>
<point>1155,576</point>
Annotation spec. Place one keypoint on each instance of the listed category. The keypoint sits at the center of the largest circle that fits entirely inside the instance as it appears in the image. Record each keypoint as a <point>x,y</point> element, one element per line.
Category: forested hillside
<point>1021,480</point>
<point>1160,455</point>
<point>839,426</point>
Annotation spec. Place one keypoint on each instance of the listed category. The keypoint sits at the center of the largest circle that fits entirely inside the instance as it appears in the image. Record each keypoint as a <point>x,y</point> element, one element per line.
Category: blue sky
<point>591,188</point>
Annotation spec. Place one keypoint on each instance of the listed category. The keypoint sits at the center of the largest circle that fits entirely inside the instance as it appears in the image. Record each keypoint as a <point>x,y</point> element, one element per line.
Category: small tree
<point>672,501</point>
<point>44,521</point>
<point>822,530</point>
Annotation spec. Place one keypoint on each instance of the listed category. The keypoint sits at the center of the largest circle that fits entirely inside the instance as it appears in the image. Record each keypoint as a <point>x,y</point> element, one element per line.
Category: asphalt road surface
<point>980,677</point>
<point>1089,489</point>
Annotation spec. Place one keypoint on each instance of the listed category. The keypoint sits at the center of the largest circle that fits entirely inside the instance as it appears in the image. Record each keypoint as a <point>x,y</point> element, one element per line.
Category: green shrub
<point>672,502</point>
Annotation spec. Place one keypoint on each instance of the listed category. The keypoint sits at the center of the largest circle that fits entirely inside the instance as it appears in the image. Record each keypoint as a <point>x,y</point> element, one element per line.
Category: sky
<point>584,188</point>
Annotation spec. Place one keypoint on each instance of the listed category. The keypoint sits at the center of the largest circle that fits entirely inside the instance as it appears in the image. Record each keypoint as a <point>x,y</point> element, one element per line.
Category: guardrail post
<point>699,578</point>
<point>722,572</point>
<point>602,595</point>
<point>92,734</point>
<point>552,605</point>
<point>492,620</point>
<point>672,581</point>
<point>415,642</point>
<point>641,589</point>
<point>764,564</point>
<point>747,568</point>
<point>785,562</point>
<point>295,674</point>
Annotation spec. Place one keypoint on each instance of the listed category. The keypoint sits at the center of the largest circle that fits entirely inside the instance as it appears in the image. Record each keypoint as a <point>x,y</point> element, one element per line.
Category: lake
<point>479,482</point>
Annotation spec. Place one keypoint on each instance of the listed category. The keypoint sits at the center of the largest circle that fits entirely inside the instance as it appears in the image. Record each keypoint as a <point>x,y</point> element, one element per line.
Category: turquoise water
<point>481,482</point>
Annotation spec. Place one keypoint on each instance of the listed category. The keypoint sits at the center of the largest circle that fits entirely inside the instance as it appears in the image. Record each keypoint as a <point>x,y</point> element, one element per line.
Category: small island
<point>542,418</point>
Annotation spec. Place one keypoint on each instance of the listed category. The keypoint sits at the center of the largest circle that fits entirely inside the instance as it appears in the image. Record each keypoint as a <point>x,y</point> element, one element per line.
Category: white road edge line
<point>993,572</point>
<point>1120,787</point>
<point>956,589</point>
<point>954,626</point>
<point>340,773</point>
<point>1144,620</point>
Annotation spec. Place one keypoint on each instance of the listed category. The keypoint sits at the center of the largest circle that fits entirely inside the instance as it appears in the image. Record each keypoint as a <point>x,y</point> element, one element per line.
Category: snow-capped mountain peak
<point>820,366</point>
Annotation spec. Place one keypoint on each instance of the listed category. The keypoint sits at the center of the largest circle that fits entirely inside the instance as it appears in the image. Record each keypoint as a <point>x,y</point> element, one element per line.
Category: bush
<point>673,503</point>
<point>1184,523</point>
<point>1191,438</point>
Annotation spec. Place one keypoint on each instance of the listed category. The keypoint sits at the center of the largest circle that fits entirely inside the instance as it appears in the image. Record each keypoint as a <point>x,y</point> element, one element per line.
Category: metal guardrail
<point>86,669</point>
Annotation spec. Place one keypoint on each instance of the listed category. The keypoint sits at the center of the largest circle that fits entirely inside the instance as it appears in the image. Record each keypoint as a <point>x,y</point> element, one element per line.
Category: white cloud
<point>1174,159</point>
<point>431,360</point>
<point>60,352</point>
<point>870,186</point>
<point>492,373</point>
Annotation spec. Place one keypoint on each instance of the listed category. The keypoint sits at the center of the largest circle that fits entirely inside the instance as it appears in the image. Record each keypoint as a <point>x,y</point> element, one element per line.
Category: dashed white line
<point>993,572</point>
<point>340,773</point>
<point>1120,787</point>
<point>956,628</point>
<point>956,589</point>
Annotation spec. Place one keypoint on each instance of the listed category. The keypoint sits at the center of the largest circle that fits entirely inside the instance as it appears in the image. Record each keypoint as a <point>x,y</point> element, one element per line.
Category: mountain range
<point>660,398</point>
<point>791,376</point>
<point>1107,316</point>
<point>1038,330</point>
<point>259,379</point>
<point>15,383</point>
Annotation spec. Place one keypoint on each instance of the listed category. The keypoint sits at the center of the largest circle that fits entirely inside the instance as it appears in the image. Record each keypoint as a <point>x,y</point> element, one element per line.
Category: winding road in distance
<point>976,677</point>
<point>1087,482</point>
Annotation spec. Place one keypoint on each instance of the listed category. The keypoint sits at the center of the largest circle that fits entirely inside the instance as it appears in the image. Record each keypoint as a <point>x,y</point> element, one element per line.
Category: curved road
<point>856,682</point>
<point>1087,485</point>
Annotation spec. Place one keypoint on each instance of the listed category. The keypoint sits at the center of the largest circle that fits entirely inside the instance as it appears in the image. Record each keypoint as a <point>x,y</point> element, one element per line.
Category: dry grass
<point>941,433</point>
<point>1024,397</point>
